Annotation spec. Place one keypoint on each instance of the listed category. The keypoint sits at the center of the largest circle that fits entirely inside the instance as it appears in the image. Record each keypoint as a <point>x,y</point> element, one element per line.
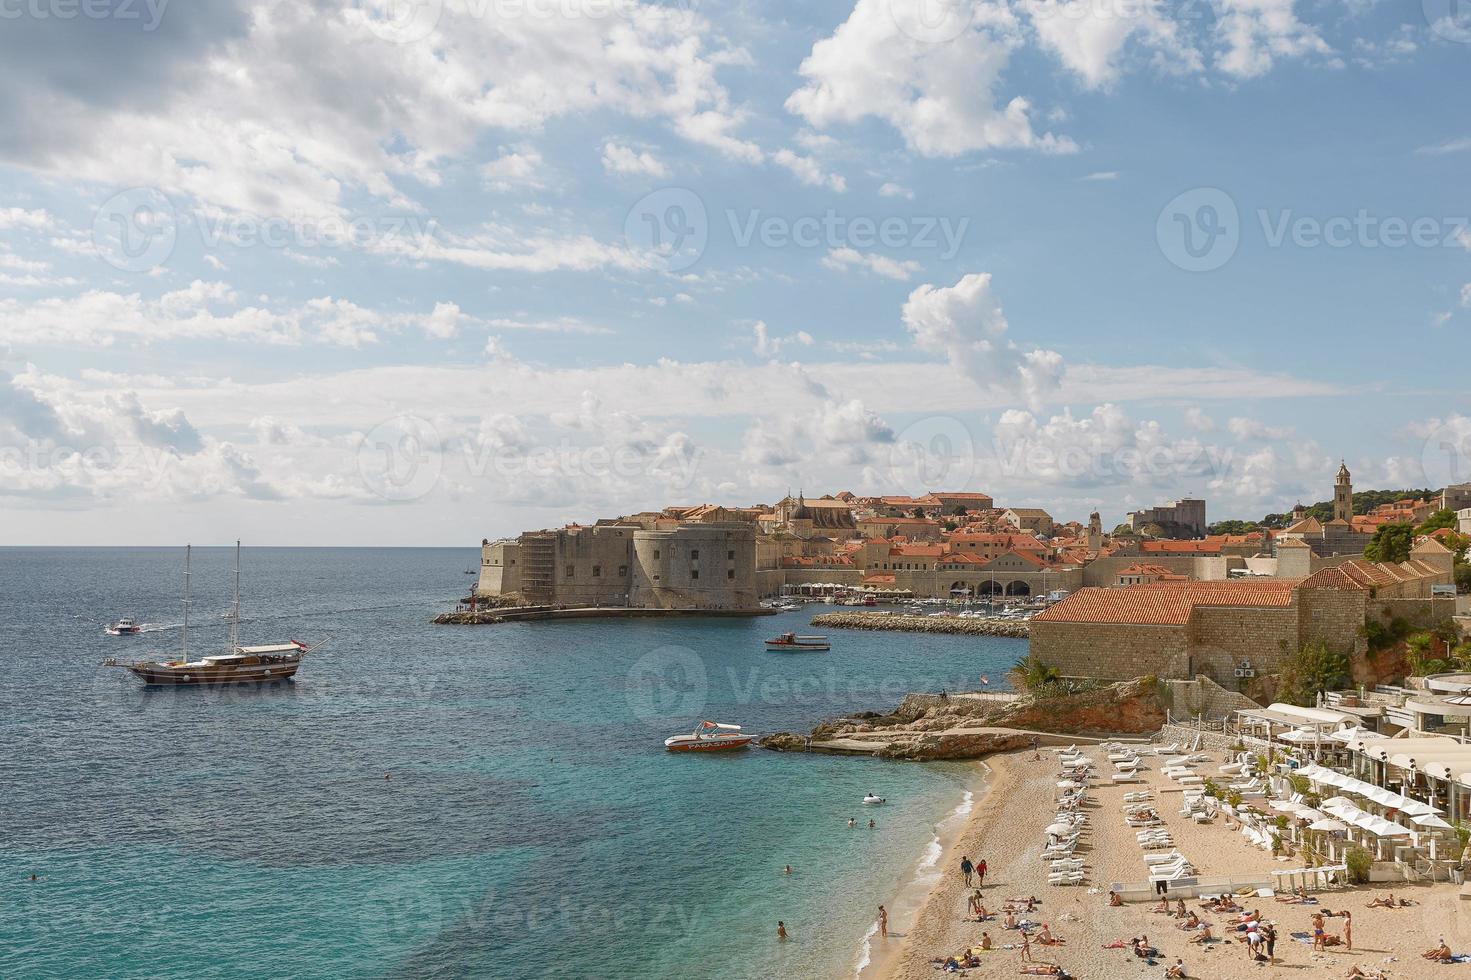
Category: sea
<point>440,801</point>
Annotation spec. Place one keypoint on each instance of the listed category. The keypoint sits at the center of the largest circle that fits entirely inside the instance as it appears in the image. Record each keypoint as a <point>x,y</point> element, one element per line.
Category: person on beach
<point>1026,949</point>
<point>1440,954</point>
<point>1010,922</point>
<point>883,922</point>
<point>1115,900</point>
<point>985,940</point>
<point>966,869</point>
<point>1203,936</point>
<point>1318,932</point>
<point>1269,939</point>
<point>1348,931</point>
<point>1036,749</point>
<point>1176,972</point>
<point>981,873</point>
<point>781,932</point>
<point>1179,908</point>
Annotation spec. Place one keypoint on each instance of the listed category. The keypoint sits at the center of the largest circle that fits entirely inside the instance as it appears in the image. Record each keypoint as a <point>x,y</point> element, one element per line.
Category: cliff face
<point>928,727</point>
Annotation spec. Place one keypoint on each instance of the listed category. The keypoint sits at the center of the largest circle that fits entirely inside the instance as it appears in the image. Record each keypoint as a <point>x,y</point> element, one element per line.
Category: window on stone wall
<point>694,554</point>
<point>656,552</point>
<point>623,571</point>
<point>694,573</point>
<point>571,570</point>
<point>597,571</point>
<point>730,573</point>
<point>730,555</point>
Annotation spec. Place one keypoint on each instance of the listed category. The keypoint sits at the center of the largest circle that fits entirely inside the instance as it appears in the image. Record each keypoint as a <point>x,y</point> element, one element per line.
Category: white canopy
<point>1384,797</point>
<point>1378,826</point>
<point>1328,824</point>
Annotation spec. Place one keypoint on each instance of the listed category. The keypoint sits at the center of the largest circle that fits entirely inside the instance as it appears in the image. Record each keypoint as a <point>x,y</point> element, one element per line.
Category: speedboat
<point>792,642</point>
<point>126,626</point>
<point>710,736</point>
<point>872,800</point>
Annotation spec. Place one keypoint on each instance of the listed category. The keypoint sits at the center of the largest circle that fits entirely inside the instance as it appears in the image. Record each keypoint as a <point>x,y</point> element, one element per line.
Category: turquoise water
<point>532,825</point>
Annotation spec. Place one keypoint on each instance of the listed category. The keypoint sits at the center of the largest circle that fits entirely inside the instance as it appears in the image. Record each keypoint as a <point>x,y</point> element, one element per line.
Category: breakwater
<point>522,614</point>
<point>923,624</point>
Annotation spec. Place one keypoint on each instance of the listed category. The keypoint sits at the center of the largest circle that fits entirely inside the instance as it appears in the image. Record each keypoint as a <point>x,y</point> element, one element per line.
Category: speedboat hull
<point>263,670</point>
<point>716,743</point>
<point>796,647</point>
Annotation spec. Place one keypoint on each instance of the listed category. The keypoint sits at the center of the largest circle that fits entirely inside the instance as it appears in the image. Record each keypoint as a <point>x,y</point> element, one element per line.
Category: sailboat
<point>239,665</point>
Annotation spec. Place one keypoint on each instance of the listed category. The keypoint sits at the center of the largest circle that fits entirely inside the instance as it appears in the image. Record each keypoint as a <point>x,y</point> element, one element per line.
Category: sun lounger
<point>1162,859</point>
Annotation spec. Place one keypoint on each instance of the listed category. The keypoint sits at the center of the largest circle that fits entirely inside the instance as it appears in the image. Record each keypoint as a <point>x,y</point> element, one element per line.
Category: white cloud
<point>30,220</point>
<point>940,97</point>
<point>625,161</point>
<point>1252,430</point>
<point>1102,175</point>
<point>1458,145</point>
<point>1198,421</point>
<point>1466,295</point>
<point>766,345</point>
<point>809,171</point>
<point>1089,38</point>
<point>965,323</point>
<point>848,258</point>
<point>517,167</point>
<point>896,190</point>
<point>1255,33</point>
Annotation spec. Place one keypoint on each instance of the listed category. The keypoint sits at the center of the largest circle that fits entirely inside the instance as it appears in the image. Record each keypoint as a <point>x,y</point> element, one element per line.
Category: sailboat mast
<point>188,558</point>
<point>235,618</point>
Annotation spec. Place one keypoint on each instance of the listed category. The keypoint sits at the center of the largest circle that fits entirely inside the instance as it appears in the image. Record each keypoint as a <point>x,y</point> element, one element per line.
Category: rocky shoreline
<point>923,624</point>
<point>928,727</point>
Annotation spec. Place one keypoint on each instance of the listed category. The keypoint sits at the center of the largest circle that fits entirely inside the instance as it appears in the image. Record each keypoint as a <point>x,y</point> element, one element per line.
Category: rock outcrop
<point>923,624</point>
<point>968,726</point>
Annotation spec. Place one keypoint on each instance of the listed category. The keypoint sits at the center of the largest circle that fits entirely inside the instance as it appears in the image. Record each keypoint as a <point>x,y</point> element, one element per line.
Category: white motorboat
<point>710,736</point>
<point>127,626</point>
<point>871,800</point>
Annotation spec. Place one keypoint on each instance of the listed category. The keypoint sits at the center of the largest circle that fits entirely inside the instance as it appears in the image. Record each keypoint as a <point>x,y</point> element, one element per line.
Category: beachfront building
<point>1176,629</point>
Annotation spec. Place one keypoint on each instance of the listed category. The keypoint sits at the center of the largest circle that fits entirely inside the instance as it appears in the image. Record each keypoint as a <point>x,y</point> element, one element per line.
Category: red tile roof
<point>1165,603</point>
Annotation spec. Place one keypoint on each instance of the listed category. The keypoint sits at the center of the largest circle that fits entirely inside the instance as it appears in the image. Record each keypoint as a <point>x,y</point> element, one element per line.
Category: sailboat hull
<point>207,675</point>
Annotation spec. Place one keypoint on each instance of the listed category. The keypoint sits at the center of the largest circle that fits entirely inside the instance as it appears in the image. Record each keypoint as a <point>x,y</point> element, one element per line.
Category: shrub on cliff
<point>1032,675</point>
<point>1311,670</point>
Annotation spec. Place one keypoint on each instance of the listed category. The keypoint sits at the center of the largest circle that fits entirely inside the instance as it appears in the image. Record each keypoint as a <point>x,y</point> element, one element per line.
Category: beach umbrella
<point>1327,824</point>
<point>1060,828</point>
<point>1285,806</point>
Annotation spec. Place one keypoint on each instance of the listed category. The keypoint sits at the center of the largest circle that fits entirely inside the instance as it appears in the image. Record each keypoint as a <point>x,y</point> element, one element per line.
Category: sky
<point>419,272</point>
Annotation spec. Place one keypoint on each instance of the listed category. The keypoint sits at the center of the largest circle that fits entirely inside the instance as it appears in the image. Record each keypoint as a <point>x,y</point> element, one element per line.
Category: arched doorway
<point>1018,588</point>
<point>988,587</point>
<point>959,589</point>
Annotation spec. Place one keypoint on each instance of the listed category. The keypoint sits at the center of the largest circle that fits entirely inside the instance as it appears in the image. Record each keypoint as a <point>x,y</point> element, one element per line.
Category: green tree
<point>1436,521</point>
<point>1390,543</point>
<point>1234,527</point>
<point>1310,670</point>
<point>1032,674</point>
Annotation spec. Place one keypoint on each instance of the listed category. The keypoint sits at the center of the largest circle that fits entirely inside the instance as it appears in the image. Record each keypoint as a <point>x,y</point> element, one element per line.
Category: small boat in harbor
<point>710,736</point>
<point>794,642</point>
<point>267,663</point>
<point>127,626</point>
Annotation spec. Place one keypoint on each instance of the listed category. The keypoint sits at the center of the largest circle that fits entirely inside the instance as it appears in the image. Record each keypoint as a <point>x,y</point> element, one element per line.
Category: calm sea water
<point>532,825</point>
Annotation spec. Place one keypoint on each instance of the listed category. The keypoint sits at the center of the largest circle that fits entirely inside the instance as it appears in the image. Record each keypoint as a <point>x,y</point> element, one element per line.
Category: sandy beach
<point>1006,829</point>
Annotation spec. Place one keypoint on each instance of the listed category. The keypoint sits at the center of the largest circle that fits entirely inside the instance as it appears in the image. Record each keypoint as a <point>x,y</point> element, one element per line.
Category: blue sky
<point>364,272</point>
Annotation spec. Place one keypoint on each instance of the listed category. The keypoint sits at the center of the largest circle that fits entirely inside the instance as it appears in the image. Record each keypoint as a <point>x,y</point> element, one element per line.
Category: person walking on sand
<point>981,874</point>
<point>1269,933</point>
<point>1026,948</point>
<point>966,869</point>
<point>781,932</point>
<point>883,922</point>
<point>1348,931</point>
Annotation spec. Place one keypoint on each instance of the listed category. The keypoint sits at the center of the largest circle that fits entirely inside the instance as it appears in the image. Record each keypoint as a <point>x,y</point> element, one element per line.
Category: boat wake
<point>157,627</point>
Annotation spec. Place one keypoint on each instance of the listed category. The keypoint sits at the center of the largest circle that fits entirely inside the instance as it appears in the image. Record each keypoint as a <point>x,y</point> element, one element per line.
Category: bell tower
<point>1343,494</point>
